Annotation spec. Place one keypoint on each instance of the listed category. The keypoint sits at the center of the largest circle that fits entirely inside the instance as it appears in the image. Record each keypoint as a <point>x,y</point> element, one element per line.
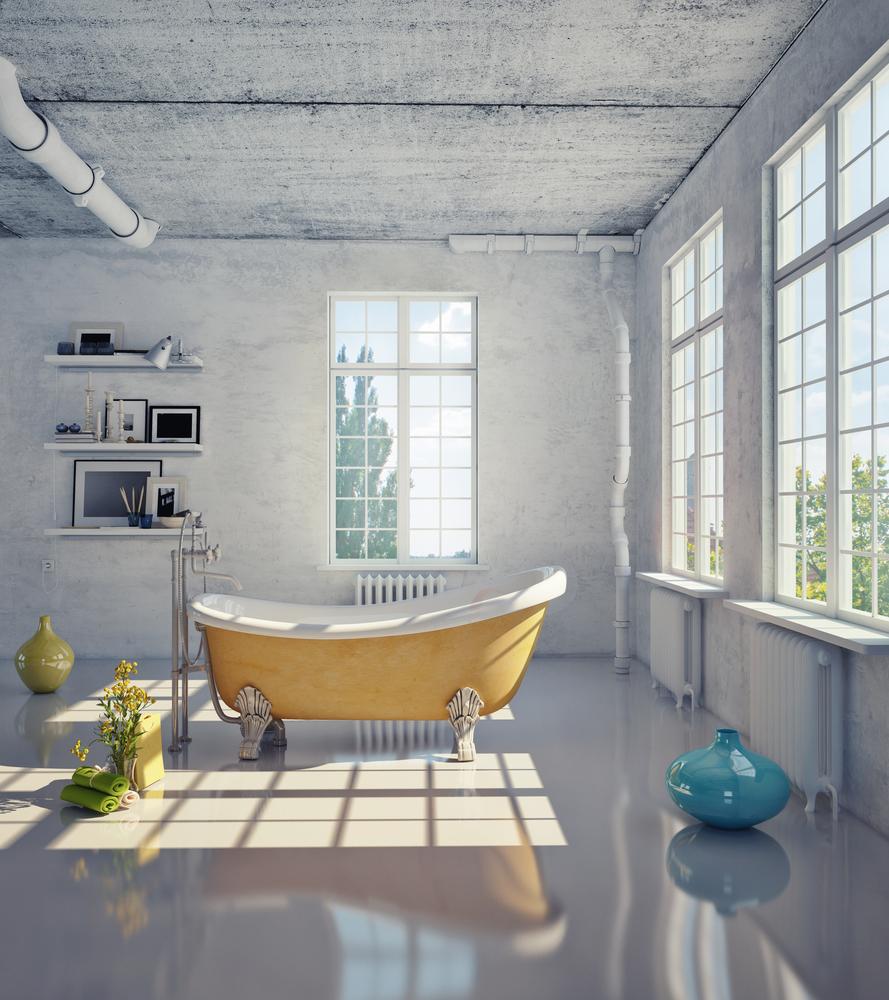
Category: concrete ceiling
<point>405,119</point>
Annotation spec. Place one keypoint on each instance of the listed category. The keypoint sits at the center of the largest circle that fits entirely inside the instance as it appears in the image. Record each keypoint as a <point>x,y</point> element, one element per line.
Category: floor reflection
<point>730,868</point>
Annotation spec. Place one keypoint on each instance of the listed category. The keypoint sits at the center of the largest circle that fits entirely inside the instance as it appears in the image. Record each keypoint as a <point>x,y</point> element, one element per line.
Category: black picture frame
<point>128,469</point>
<point>173,416</point>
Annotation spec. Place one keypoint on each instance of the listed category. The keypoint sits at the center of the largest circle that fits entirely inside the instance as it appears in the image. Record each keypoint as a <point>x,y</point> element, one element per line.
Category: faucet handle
<point>214,553</point>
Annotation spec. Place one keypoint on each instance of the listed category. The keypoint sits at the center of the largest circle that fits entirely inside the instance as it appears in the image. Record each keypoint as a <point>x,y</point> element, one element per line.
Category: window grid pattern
<point>863,149</point>
<point>403,441</point>
<point>863,424</point>
<point>696,415</point>
<point>682,297</point>
<point>683,455</point>
<point>802,199</point>
<point>832,372</point>
<point>802,437</point>
<point>711,518</point>
<point>441,466</point>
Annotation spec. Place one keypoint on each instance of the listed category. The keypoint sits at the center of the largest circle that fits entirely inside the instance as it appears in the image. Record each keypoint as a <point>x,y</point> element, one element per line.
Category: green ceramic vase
<point>45,660</point>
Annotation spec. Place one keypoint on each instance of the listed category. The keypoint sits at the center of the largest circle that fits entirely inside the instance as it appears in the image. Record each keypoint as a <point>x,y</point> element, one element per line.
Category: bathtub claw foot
<point>256,716</point>
<point>464,710</point>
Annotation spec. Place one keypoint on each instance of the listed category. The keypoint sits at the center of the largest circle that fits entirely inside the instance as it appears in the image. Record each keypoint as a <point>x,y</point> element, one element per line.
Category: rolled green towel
<point>89,798</point>
<point>100,781</point>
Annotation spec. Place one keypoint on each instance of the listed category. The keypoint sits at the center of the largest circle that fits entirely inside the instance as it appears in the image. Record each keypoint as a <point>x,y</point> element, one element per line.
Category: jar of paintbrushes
<point>134,516</point>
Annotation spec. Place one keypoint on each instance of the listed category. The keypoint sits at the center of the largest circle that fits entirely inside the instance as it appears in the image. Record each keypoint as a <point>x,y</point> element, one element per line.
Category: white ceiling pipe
<point>38,141</point>
<point>583,242</point>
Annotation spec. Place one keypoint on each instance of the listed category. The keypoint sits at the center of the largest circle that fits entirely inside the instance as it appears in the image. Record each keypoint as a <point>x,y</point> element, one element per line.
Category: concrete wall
<point>841,37</point>
<point>257,309</point>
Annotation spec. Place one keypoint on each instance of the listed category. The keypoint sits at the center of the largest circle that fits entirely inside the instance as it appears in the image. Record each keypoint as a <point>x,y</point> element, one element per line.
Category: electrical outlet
<point>48,565</point>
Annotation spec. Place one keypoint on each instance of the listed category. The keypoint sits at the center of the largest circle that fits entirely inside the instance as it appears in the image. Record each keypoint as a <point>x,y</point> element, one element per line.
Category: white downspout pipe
<point>607,247</point>
<point>621,474</point>
<point>37,140</point>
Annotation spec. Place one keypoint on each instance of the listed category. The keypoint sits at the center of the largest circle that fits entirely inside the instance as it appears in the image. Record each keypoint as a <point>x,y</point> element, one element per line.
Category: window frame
<point>402,369</point>
<point>837,239</point>
<point>702,326</point>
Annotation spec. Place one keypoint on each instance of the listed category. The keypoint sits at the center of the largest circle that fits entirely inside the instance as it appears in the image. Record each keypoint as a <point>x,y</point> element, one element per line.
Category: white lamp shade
<point>160,354</point>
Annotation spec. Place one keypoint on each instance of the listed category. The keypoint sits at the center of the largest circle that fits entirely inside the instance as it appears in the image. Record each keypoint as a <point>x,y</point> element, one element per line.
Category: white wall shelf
<point>115,448</point>
<point>119,362</point>
<point>149,534</point>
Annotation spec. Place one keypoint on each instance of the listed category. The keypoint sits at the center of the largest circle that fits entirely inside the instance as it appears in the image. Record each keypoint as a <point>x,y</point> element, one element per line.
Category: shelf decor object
<point>45,660</point>
<point>97,489</point>
<point>726,785</point>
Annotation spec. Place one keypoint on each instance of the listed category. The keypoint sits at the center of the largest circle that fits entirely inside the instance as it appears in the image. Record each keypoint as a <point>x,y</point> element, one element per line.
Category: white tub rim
<point>465,605</point>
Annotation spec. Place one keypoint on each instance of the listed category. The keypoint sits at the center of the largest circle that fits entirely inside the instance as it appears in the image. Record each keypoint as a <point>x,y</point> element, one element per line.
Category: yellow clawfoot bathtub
<point>457,655</point>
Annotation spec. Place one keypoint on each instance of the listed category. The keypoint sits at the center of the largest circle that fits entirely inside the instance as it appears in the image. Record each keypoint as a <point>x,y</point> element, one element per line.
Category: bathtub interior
<point>451,608</point>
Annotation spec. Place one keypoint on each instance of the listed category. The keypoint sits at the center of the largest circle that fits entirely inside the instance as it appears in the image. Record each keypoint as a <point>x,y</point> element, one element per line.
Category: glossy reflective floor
<point>362,864</point>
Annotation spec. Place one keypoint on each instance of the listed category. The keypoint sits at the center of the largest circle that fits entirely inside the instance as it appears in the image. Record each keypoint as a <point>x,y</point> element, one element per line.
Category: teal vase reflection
<point>730,868</point>
<point>726,785</point>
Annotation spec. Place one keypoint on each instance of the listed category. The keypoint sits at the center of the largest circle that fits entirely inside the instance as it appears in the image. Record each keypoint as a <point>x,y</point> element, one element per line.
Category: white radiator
<point>379,589</point>
<point>796,709</point>
<point>676,644</point>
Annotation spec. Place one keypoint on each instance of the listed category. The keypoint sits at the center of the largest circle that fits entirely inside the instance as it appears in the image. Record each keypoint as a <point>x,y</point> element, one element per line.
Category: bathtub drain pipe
<point>37,140</point>
<point>621,475</point>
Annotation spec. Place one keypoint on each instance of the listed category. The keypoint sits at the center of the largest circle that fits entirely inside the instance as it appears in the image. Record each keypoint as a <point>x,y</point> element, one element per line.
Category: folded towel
<point>100,781</point>
<point>89,798</point>
<point>128,799</point>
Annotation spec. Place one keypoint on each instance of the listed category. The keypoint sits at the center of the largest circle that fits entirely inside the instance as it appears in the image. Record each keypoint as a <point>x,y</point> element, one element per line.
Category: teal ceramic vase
<point>45,660</point>
<point>731,869</point>
<point>727,785</point>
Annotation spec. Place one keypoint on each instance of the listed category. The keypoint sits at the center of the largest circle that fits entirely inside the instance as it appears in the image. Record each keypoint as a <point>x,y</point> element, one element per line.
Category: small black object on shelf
<point>104,348</point>
<point>88,349</point>
<point>65,347</point>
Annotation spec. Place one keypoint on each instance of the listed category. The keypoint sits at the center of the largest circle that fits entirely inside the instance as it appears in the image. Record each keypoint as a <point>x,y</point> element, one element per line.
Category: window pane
<point>881,393</point>
<point>815,354</point>
<point>382,545</point>
<point>424,482</point>
<point>816,519</point>
<point>881,437</point>
<point>814,220</point>
<point>382,348</point>
<point>350,545</point>
<point>456,317</point>
<point>424,452</point>
<point>456,483</point>
<point>814,162</point>
<point>790,466</point>
<point>456,390</point>
<point>855,461</point>
<point>425,421</point>
<point>789,183</point>
<point>816,576</point>
<point>349,348</point>
<point>382,316</point>
<point>425,390</point>
<point>855,274</point>
<point>350,316</point>
<point>424,316</point>
<point>456,348</point>
<point>855,189</point>
<point>456,452</point>
<point>790,520</point>
<point>856,521</point>
<point>425,545</point>
<point>855,392</point>
<point>456,514</point>
<point>790,415</point>
<point>816,465</point>
<point>790,309</point>
<point>350,482</point>
<point>815,406</point>
<point>424,514</point>
<point>350,513</point>
<point>881,261</point>
<point>854,125</point>
<point>790,236</point>
<point>855,337</point>
<point>814,296</point>
<point>790,362</point>
<point>881,171</point>
<point>881,104</point>
<point>425,348</point>
<point>382,514</point>
<point>456,544</point>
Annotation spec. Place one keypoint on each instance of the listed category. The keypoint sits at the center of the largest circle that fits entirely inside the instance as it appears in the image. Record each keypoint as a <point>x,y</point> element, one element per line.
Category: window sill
<point>848,635</point>
<point>684,585</point>
<point>404,568</point>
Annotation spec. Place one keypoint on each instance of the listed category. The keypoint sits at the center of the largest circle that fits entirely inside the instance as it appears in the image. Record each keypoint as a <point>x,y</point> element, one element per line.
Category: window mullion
<point>833,435</point>
<point>404,474</point>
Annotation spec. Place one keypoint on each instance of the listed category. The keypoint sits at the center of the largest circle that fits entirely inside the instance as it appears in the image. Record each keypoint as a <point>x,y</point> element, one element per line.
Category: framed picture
<point>175,424</point>
<point>135,418</point>
<point>166,495</point>
<point>96,334</point>
<point>97,486</point>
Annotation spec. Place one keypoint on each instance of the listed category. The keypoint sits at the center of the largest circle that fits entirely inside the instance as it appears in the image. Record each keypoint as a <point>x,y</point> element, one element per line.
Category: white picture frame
<point>97,484</point>
<point>108,333</point>
<point>166,496</point>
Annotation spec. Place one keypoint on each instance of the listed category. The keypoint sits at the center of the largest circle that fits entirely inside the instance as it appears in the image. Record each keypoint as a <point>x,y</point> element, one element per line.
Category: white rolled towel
<point>128,799</point>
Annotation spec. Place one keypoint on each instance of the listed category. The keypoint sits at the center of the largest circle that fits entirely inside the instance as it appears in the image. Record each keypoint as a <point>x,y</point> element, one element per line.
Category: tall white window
<point>832,361</point>
<point>696,515</point>
<point>402,418</point>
